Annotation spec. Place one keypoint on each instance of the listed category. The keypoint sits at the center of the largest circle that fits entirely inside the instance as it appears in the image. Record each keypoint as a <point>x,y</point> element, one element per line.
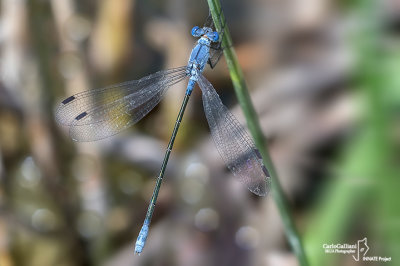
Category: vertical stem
<point>251,117</point>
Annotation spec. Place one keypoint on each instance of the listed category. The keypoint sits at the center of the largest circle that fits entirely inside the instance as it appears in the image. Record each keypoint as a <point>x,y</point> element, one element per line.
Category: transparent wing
<point>216,49</point>
<point>84,101</point>
<point>233,143</point>
<point>100,113</point>
<point>209,21</point>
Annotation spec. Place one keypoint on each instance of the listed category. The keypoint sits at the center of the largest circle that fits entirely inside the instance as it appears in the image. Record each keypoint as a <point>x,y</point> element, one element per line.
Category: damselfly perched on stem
<point>100,113</point>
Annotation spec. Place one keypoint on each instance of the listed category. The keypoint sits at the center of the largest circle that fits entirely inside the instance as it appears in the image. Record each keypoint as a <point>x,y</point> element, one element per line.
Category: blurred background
<point>325,81</point>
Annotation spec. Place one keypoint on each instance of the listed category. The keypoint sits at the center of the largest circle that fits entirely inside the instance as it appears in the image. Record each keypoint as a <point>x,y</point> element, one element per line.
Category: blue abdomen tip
<point>141,240</point>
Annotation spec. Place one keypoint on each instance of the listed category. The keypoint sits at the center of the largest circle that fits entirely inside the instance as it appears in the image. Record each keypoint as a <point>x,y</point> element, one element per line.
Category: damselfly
<point>100,113</point>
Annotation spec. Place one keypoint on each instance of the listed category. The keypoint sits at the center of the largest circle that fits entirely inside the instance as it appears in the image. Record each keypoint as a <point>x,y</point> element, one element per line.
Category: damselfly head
<point>205,32</point>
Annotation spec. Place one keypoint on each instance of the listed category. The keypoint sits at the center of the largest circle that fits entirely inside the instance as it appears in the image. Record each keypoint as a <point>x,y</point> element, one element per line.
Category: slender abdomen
<point>190,86</point>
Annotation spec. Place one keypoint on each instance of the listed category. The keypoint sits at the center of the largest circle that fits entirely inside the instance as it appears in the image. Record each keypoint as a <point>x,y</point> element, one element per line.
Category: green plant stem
<point>252,121</point>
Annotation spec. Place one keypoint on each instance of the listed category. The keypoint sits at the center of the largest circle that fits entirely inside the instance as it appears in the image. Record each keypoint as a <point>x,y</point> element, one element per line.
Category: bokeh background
<point>325,81</point>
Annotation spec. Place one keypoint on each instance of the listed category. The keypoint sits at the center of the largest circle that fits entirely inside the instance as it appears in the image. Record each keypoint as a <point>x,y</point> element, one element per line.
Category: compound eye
<point>197,31</point>
<point>214,36</point>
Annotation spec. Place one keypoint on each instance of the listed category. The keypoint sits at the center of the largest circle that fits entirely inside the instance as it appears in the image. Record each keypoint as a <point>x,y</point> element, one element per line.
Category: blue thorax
<point>201,52</point>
